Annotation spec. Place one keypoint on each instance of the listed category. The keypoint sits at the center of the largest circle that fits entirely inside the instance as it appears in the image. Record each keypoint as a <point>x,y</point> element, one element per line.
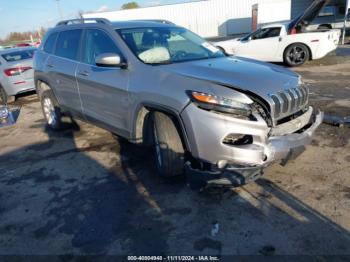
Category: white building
<point>211,18</point>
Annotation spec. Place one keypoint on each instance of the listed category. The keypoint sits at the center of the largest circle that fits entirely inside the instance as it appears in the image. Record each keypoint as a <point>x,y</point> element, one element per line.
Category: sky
<point>24,15</point>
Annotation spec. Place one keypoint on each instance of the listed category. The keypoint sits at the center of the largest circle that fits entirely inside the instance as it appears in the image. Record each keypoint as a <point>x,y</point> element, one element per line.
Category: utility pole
<point>59,9</point>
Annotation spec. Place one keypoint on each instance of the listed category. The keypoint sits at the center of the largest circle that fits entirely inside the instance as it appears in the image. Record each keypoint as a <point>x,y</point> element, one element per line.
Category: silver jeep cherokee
<point>220,119</point>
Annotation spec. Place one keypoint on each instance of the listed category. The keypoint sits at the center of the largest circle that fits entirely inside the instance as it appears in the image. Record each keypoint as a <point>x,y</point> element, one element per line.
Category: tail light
<point>293,31</point>
<point>16,70</point>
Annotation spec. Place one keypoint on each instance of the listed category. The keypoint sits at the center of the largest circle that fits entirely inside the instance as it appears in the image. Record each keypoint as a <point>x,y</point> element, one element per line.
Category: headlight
<point>220,104</point>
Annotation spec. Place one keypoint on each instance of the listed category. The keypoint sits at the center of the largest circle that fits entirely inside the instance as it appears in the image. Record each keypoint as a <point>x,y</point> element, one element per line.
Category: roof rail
<point>83,20</point>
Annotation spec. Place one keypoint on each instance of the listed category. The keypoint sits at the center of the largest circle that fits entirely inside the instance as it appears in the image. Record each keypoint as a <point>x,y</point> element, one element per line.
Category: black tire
<point>168,147</point>
<point>53,121</point>
<point>3,96</point>
<point>296,55</point>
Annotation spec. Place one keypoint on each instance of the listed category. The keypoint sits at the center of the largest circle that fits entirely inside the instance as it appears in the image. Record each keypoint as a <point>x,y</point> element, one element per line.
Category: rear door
<point>62,66</point>
<point>103,90</point>
<point>262,45</point>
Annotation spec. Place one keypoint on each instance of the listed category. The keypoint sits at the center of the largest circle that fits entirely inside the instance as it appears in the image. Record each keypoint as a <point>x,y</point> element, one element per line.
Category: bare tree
<point>130,5</point>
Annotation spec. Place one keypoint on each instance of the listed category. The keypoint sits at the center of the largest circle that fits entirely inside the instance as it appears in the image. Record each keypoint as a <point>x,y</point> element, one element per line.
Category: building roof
<point>140,23</point>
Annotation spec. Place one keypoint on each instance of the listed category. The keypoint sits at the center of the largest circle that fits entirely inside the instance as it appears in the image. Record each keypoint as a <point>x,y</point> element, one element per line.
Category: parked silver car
<point>17,75</point>
<point>222,118</point>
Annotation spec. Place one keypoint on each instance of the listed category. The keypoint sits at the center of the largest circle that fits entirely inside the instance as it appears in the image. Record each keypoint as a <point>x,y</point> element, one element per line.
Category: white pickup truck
<point>286,42</point>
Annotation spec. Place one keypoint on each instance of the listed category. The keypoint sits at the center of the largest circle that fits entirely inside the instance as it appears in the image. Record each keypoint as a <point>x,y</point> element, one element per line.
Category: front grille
<point>289,101</point>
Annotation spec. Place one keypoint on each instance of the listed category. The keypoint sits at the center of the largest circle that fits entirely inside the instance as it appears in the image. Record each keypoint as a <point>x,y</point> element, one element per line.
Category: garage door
<point>299,6</point>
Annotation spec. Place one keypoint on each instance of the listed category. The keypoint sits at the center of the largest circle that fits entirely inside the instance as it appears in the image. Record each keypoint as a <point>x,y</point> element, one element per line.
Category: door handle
<point>50,65</point>
<point>84,73</point>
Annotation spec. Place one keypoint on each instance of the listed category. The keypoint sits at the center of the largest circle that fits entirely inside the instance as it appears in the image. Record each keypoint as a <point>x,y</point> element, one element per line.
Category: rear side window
<point>96,43</point>
<point>50,43</point>
<point>18,55</point>
<point>68,44</point>
<point>266,33</point>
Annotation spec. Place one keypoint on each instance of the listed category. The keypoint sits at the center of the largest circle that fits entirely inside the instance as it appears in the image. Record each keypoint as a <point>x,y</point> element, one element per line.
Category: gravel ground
<point>83,192</point>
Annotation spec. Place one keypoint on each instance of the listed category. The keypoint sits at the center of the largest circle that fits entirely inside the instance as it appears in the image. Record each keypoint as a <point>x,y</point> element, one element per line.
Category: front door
<point>103,90</point>
<point>262,45</point>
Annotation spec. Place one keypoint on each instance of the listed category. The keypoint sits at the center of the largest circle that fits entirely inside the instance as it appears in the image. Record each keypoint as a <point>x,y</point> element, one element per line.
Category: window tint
<point>68,44</point>
<point>18,55</point>
<point>50,43</point>
<point>266,33</point>
<point>96,43</point>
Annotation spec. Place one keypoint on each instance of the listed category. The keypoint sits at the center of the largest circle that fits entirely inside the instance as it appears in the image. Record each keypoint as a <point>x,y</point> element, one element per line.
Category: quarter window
<point>96,43</point>
<point>68,44</point>
<point>266,33</point>
<point>50,43</point>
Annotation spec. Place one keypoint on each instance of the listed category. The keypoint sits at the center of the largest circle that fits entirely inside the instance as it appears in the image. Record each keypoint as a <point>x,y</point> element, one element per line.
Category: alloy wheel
<point>49,111</point>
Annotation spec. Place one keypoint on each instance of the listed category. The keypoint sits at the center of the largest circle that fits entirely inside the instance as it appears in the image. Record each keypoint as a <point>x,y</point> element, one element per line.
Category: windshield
<point>19,55</point>
<point>165,45</point>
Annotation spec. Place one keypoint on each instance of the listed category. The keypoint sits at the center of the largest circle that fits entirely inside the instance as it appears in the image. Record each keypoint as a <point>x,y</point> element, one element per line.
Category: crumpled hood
<point>239,73</point>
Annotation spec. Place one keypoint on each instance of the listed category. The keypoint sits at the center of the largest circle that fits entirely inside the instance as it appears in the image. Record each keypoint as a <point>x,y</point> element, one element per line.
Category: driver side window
<point>266,33</point>
<point>96,43</point>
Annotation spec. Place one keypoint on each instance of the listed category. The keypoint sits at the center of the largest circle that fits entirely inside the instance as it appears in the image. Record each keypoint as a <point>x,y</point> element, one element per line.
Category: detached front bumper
<point>238,165</point>
<point>288,147</point>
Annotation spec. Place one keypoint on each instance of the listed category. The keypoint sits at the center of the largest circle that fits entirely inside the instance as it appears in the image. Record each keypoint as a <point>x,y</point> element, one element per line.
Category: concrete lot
<point>83,192</point>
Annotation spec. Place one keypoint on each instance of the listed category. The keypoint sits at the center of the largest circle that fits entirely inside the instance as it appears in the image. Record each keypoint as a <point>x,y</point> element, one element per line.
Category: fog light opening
<point>265,158</point>
<point>238,140</point>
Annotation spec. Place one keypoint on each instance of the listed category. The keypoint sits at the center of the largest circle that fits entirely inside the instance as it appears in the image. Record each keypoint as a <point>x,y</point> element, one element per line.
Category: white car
<point>16,72</point>
<point>286,42</point>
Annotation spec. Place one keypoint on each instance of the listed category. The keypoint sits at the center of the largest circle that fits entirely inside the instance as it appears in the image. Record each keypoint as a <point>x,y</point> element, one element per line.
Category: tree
<point>130,5</point>
<point>14,37</point>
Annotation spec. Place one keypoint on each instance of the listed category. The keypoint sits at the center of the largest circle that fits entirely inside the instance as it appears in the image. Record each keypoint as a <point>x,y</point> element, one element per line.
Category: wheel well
<point>41,86</point>
<point>143,132</point>
<point>3,93</point>
<point>221,48</point>
<point>299,43</point>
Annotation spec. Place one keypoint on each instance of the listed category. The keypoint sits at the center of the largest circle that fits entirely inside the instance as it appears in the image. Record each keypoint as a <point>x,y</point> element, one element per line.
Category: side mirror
<point>110,60</point>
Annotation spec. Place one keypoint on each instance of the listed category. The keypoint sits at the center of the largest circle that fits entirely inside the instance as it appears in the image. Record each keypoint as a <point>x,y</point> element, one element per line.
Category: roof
<point>85,22</point>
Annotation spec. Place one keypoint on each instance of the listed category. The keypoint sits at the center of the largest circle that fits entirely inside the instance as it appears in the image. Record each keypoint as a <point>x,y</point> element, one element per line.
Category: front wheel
<point>296,55</point>
<point>51,110</point>
<point>3,96</point>
<point>169,150</point>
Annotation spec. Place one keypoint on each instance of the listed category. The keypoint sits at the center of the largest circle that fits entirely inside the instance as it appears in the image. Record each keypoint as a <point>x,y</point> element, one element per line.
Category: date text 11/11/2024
<point>173,258</point>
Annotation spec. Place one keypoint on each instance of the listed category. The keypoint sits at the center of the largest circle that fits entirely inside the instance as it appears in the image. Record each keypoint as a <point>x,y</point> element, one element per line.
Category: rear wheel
<point>168,147</point>
<point>3,96</point>
<point>51,110</point>
<point>296,55</point>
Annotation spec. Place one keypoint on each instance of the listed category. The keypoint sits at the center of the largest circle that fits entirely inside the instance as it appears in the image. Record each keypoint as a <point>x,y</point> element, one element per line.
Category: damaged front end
<point>238,150</point>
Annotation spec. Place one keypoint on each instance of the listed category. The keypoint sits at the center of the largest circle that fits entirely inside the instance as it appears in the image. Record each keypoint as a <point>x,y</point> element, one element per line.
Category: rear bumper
<point>17,87</point>
<point>238,165</point>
